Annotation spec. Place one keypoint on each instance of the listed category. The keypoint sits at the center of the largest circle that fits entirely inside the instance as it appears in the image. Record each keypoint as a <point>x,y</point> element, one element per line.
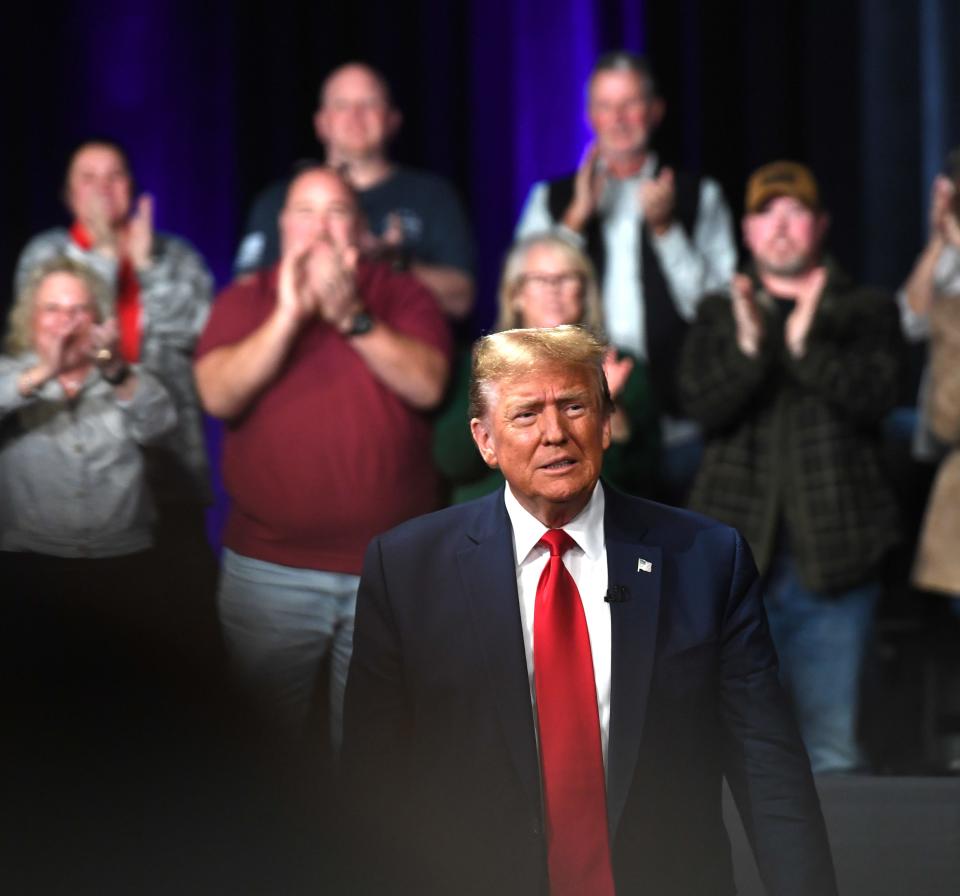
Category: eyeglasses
<point>51,309</point>
<point>544,282</point>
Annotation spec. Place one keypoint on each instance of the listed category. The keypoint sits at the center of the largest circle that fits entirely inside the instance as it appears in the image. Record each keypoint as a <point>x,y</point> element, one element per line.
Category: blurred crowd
<point>753,386</point>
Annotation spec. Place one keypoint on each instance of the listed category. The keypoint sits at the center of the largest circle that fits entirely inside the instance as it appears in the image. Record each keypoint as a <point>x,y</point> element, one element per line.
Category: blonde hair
<point>20,321</point>
<point>511,353</point>
<point>511,281</point>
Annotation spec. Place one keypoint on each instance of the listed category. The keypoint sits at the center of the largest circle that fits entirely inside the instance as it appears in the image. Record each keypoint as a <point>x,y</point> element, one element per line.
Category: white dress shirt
<point>587,563</point>
<point>692,267</point>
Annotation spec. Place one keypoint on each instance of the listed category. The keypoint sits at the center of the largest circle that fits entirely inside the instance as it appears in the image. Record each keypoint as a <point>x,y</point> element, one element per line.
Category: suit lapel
<point>633,624</point>
<point>489,577</point>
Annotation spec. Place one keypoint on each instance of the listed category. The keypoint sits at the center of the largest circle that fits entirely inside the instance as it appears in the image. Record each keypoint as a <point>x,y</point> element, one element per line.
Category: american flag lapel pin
<point>644,565</point>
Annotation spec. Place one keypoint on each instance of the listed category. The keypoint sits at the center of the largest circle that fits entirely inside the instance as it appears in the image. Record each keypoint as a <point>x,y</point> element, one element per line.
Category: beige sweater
<point>937,566</point>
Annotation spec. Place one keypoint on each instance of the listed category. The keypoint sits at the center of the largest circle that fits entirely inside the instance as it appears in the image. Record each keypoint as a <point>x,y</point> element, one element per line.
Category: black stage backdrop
<point>214,99</point>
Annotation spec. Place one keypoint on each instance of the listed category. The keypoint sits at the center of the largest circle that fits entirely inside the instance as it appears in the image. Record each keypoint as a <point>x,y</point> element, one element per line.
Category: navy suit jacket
<point>440,750</point>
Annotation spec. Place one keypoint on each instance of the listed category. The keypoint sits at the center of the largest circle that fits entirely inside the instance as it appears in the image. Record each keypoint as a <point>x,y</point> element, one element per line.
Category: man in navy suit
<point>450,721</point>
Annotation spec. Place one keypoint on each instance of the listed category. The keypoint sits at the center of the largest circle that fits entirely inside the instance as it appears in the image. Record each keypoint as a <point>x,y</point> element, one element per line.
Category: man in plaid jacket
<point>790,376</point>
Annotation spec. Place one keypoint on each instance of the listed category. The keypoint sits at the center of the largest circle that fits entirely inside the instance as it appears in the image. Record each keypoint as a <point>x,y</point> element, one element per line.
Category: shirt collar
<point>647,170</point>
<point>586,528</point>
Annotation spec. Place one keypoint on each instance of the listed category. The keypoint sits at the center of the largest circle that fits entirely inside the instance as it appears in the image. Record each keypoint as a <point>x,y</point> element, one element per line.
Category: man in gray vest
<point>660,239</point>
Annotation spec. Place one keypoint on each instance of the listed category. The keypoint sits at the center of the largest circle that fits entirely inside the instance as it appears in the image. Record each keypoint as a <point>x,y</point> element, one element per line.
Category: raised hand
<point>798,323</point>
<point>54,351</point>
<point>294,303</point>
<point>746,315</point>
<point>943,210</point>
<point>329,275</point>
<point>139,233</point>
<point>104,349</point>
<point>657,198</point>
<point>388,245</point>
<point>616,371</point>
<point>588,186</point>
<point>393,233</point>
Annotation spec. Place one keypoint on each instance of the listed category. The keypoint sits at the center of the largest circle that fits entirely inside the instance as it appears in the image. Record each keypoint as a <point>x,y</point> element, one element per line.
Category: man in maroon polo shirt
<point>323,369</point>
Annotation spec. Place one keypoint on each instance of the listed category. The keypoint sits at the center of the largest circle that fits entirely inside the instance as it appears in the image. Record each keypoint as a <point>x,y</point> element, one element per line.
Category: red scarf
<point>128,307</point>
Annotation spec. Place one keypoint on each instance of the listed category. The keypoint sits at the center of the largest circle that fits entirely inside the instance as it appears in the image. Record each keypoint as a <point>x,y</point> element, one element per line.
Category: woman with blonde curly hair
<point>75,516</point>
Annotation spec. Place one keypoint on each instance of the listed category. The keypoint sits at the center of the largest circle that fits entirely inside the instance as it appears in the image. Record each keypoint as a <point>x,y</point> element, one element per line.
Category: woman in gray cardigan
<point>75,512</point>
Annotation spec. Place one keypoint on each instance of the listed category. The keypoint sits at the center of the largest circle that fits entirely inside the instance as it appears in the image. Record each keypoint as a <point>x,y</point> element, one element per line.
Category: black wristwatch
<point>401,258</point>
<point>118,377</point>
<point>362,323</point>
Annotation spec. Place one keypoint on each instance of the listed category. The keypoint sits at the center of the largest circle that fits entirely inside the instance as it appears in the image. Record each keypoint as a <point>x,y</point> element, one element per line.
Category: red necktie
<point>571,760</point>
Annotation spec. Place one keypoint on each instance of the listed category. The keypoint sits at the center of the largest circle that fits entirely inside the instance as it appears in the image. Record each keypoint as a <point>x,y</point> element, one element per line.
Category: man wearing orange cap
<point>790,375</point>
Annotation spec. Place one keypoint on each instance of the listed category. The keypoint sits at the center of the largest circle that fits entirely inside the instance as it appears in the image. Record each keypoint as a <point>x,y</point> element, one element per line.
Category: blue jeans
<point>279,622</point>
<point>680,458</point>
<point>821,640</point>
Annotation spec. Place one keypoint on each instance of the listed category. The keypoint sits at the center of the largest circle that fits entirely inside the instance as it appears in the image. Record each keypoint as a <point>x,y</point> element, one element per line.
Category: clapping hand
<point>617,371</point>
<point>943,210</point>
<point>54,351</point>
<point>330,278</point>
<point>139,235</point>
<point>798,323</point>
<point>588,187</point>
<point>294,303</point>
<point>746,315</point>
<point>105,347</point>
<point>657,197</point>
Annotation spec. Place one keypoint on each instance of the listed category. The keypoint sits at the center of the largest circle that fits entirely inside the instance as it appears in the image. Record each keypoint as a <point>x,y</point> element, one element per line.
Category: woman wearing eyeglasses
<point>75,513</point>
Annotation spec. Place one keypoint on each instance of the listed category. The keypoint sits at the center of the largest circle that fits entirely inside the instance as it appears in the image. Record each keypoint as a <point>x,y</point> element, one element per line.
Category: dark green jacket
<point>632,466</point>
<point>797,441</point>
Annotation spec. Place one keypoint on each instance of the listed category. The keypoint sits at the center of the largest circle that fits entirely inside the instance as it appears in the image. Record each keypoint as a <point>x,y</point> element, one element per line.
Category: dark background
<point>214,100</point>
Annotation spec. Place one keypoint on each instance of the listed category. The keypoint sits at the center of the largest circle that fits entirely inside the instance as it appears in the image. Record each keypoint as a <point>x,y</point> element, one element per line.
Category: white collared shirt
<point>587,563</point>
<point>692,266</point>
